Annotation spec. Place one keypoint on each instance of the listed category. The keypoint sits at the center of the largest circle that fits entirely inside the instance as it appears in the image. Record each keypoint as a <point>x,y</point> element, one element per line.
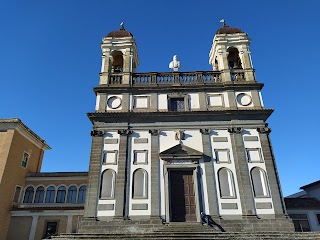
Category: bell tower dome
<point>230,54</point>
<point>119,57</point>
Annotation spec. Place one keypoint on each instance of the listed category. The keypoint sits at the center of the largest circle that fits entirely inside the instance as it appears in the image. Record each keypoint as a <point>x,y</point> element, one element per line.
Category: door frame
<point>181,167</point>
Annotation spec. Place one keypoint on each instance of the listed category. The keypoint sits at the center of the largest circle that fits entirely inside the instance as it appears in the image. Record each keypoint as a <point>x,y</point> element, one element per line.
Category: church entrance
<point>182,196</point>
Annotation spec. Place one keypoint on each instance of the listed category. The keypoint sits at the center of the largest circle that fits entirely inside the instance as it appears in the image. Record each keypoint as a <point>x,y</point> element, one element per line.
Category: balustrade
<point>237,75</point>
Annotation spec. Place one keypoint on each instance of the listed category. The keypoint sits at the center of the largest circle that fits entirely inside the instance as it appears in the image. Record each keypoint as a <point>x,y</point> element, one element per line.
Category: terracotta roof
<point>42,208</point>
<point>57,174</point>
<point>121,33</point>
<point>225,29</point>
<point>302,203</point>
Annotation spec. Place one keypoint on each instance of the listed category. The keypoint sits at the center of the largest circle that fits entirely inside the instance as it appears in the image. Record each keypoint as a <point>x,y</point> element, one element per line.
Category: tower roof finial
<point>223,22</point>
<point>122,26</point>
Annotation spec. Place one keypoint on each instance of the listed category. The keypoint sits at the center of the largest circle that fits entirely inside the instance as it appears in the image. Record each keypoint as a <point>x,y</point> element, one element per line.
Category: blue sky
<point>50,60</point>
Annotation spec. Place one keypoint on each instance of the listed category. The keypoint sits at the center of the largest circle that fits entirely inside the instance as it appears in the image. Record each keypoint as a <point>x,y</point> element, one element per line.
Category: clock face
<point>114,102</point>
<point>244,99</point>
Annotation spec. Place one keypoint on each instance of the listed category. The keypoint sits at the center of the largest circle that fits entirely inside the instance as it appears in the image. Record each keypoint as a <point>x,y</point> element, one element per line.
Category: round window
<point>244,99</point>
<point>114,102</point>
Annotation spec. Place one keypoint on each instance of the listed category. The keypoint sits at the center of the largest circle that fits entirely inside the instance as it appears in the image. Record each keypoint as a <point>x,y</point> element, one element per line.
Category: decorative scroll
<point>125,132</point>
<point>97,133</point>
<point>264,130</point>
<point>235,130</point>
<point>154,132</point>
<point>205,131</point>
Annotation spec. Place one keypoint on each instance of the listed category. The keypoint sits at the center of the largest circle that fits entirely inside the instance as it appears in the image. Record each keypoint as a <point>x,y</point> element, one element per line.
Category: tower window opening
<point>234,60</point>
<point>117,62</point>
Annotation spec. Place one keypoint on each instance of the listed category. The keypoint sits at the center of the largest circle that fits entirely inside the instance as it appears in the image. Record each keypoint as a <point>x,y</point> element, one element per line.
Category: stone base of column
<point>156,219</point>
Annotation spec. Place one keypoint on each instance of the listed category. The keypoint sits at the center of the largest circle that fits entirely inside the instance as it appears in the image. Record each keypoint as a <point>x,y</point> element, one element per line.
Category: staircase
<point>194,231</point>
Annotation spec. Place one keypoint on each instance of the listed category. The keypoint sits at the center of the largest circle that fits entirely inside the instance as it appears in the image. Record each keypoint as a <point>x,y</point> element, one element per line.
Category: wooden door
<point>182,199</point>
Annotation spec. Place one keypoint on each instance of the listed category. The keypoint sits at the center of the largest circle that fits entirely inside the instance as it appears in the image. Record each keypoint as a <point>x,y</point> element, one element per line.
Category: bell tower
<point>119,57</point>
<point>231,56</point>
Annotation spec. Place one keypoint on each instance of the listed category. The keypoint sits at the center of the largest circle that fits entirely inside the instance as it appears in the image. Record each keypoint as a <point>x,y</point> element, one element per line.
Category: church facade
<point>169,145</point>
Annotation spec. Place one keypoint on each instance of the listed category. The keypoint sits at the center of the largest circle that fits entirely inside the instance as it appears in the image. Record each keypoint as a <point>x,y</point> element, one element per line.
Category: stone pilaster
<point>155,180</point>
<point>122,180</point>
<point>202,101</point>
<point>208,165</point>
<point>102,102</point>
<point>232,99</point>
<point>153,102</point>
<point>90,210</point>
<point>273,177</point>
<point>242,172</point>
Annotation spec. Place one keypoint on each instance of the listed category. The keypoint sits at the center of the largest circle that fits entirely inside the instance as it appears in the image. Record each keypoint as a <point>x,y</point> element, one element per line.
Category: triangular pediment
<point>180,151</point>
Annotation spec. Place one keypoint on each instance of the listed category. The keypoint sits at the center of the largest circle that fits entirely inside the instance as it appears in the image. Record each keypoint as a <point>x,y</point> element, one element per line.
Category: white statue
<point>175,64</point>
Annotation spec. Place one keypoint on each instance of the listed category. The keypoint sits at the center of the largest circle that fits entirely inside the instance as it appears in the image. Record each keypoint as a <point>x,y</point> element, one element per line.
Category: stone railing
<point>182,78</point>
<point>169,78</point>
<point>237,75</point>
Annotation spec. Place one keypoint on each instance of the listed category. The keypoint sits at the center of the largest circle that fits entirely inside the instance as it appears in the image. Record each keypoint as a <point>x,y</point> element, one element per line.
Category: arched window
<point>28,195</point>
<point>107,188</point>
<point>82,194</point>
<point>117,61</point>
<point>39,195</point>
<point>259,182</point>
<point>140,183</point>
<point>233,58</point>
<point>72,194</point>
<point>61,195</point>
<point>226,183</point>
<point>51,191</point>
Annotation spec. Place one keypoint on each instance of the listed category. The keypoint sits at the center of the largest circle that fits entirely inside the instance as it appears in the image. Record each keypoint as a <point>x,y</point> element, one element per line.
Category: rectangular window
<point>17,194</point>
<point>25,160</point>
<point>254,155</point>
<point>222,155</point>
<point>140,157</point>
<point>300,222</point>
<point>51,228</point>
<point>177,104</point>
<point>110,157</point>
<point>318,217</point>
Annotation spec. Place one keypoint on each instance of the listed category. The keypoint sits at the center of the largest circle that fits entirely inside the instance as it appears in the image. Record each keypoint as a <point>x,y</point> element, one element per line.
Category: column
<point>154,178</point>
<point>33,227</point>
<point>272,172</point>
<point>208,165</point>
<point>122,180</point>
<point>90,210</point>
<point>242,172</point>
<point>69,224</point>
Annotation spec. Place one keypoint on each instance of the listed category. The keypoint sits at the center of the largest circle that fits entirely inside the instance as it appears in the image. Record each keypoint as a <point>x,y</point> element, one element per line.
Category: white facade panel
<point>194,101</point>
<point>162,102</point>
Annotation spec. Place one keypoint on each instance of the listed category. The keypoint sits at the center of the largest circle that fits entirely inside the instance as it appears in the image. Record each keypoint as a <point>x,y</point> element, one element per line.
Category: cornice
<point>215,115</point>
<point>138,88</point>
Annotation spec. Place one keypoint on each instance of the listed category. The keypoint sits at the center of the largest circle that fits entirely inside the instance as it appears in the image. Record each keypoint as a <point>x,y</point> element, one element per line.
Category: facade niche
<point>226,183</point>
<point>117,62</point>
<point>259,182</point>
<point>140,183</point>
<point>234,61</point>
<point>107,184</point>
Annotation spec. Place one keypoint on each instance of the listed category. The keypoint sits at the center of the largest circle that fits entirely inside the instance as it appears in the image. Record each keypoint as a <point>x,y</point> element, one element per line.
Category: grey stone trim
<point>102,102</point>
<point>139,206</point>
<point>265,205</point>
<point>111,141</point>
<point>242,173</point>
<point>140,140</point>
<point>104,207</point>
<point>232,99</point>
<point>229,205</point>
<point>250,138</point>
<point>155,172</point>
<point>202,101</point>
<point>121,178</point>
<point>153,101</point>
<point>90,210</point>
<point>219,139</point>
<point>125,102</point>
<point>255,98</point>
<point>211,183</point>
<point>272,173</point>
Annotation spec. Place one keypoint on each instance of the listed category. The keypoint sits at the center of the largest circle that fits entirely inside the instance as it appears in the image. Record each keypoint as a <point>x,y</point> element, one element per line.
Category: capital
<point>264,130</point>
<point>205,131</point>
<point>235,130</point>
<point>124,132</point>
<point>154,132</point>
<point>97,133</point>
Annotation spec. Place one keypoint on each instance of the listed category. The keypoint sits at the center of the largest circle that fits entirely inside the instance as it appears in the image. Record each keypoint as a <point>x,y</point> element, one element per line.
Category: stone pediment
<point>180,151</point>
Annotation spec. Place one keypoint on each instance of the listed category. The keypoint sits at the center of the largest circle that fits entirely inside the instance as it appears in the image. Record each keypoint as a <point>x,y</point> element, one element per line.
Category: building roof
<point>57,174</point>
<point>225,29</point>
<point>16,123</point>
<point>121,33</point>
<point>302,203</point>
<point>311,185</point>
